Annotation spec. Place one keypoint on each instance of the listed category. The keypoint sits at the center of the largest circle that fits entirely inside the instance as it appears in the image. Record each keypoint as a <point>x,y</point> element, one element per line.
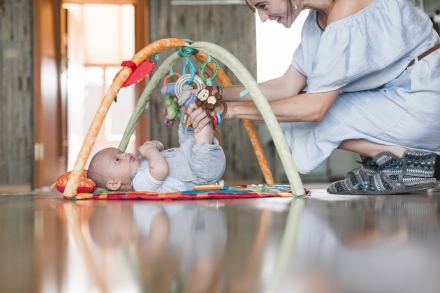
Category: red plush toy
<point>85,185</point>
<point>138,73</point>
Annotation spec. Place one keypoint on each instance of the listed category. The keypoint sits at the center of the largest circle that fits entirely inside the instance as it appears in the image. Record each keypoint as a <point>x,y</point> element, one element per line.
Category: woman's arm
<point>284,96</point>
<point>300,108</point>
<point>289,84</point>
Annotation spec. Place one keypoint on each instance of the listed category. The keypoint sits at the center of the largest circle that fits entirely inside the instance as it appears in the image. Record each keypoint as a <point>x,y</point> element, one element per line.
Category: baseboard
<point>15,188</point>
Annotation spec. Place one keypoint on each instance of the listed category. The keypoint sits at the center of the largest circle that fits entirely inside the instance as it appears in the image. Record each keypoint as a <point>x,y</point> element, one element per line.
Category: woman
<point>364,79</point>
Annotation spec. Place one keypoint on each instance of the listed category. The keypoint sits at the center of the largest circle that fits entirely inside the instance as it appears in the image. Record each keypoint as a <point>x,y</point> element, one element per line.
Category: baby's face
<point>119,165</point>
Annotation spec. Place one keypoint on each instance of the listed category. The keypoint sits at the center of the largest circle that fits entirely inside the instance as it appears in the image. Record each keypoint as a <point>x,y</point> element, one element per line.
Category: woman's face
<point>276,10</point>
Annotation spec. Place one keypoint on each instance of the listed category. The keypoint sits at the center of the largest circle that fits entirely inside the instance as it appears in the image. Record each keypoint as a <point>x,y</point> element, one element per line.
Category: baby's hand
<point>158,164</point>
<point>158,144</point>
<point>150,144</point>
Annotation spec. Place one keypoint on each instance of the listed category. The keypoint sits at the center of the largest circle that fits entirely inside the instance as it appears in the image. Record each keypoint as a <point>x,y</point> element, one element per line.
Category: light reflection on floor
<point>321,243</point>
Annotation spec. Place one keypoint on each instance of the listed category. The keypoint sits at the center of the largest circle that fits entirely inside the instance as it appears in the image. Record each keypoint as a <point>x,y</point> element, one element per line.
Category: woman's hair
<point>288,13</point>
<point>250,7</point>
<point>289,9</point>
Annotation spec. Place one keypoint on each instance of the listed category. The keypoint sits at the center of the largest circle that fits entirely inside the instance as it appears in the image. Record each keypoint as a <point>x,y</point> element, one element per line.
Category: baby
<point>199,160</point>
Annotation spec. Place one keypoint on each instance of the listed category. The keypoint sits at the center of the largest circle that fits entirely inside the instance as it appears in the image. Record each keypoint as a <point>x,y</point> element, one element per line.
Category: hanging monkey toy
<point>207,100</point>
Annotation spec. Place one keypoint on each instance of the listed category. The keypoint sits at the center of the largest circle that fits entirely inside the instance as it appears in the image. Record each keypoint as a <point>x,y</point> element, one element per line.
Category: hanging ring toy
<point>205,73</point>
<point>192,70</point>
<point>165,81</point>
<point>207,99</point>
<point>202,71</point>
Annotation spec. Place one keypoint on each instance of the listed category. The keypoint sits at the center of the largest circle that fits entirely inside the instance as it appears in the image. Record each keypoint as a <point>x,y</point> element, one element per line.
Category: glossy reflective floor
<point>321,243</point>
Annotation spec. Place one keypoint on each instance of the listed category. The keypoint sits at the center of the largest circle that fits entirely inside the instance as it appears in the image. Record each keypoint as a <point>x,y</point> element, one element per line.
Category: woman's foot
<point>356,180</point>
<point>414,171</point>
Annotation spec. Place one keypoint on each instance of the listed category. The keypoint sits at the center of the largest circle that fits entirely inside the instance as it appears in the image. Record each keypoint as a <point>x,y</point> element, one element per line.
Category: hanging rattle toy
<point>172,108</point>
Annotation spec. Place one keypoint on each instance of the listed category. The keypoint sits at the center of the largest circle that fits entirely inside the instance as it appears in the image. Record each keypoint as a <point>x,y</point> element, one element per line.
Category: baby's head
<point>111,225</point>
<point>111,169</point>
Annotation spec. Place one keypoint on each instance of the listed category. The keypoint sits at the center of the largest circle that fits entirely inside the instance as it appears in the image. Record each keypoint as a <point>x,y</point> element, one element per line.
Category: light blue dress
<point>366,55</point>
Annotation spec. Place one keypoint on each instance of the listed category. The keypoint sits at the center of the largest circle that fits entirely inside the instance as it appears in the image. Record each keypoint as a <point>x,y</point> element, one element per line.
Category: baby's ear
<point>112,185</point>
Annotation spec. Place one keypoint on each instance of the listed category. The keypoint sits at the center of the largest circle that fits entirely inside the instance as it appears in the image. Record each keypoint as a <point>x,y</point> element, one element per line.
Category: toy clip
<point>218,186</point>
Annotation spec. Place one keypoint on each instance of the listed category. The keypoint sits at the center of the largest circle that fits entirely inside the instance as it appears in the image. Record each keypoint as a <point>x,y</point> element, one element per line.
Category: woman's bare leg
<point>369,149</point>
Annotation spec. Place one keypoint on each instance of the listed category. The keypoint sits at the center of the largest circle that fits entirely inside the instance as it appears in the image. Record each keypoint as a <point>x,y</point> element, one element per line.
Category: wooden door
<point>49,112</point>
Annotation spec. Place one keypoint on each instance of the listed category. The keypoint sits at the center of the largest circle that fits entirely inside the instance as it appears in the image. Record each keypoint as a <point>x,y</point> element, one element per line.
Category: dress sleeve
<point>378,38</point>
<point>305,52</point>
<point>298,60</point>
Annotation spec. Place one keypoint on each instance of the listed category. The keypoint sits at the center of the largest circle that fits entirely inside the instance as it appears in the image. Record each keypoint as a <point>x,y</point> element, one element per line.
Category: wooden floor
<point>322,243</point>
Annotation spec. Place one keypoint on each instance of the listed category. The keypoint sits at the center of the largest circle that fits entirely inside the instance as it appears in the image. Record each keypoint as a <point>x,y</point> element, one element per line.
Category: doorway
<point>99,36</point>
<point>50,42</point>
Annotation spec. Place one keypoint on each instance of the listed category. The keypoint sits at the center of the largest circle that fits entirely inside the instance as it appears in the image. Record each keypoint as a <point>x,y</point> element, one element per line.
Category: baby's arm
<point>206,134</point>
<point>158,164</point>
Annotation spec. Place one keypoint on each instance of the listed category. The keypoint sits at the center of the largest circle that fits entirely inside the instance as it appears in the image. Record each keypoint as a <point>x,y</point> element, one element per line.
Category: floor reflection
<point>389,249</point>
<point>314,244</point>
<point>145,247</point>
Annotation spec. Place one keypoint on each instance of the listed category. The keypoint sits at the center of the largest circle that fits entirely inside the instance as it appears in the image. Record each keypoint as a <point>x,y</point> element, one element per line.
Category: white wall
<point>273,62</point>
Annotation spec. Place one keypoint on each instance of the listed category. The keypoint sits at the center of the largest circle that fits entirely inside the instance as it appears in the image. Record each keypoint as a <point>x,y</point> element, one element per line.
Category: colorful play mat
<point>76,185</point>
